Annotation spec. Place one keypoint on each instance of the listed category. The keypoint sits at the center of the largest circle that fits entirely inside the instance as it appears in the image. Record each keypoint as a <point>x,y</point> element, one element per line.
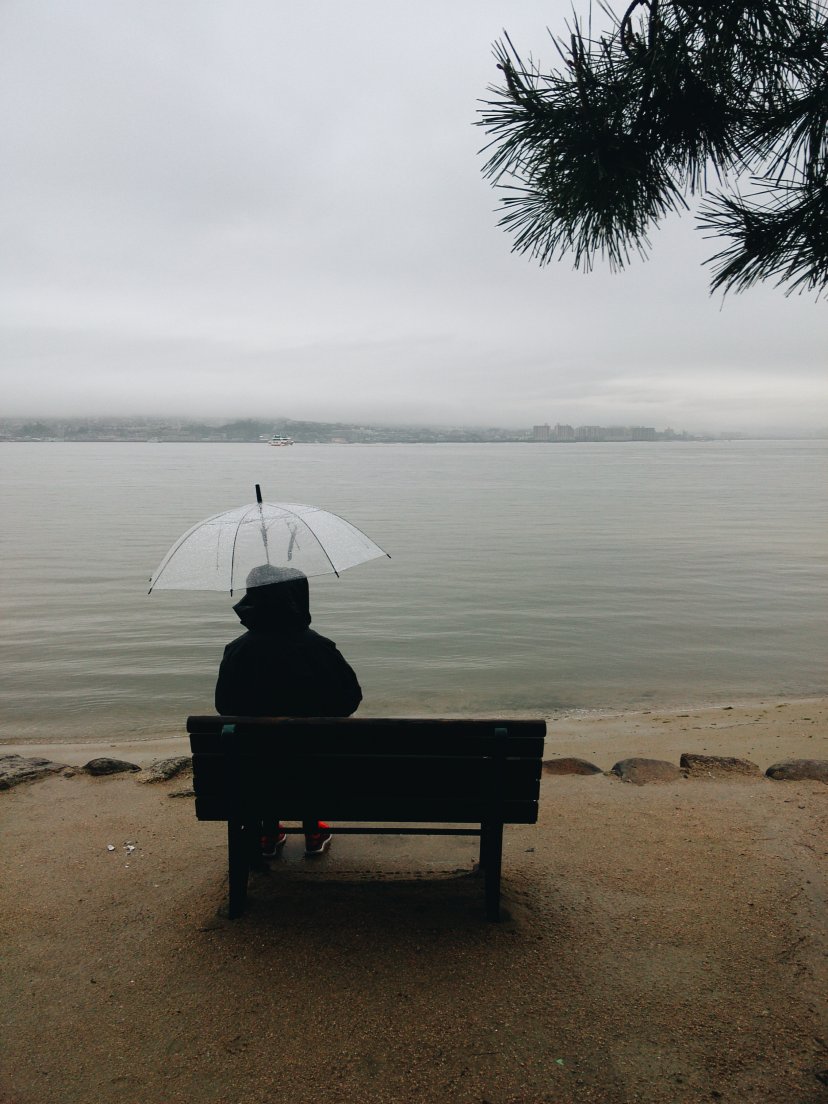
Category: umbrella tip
<point>258,493</point>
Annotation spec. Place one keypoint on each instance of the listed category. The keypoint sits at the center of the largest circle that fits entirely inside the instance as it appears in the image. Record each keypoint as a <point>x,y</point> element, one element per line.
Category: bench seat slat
<point>319,800</point>
<point>369,736</point>
<point>399,775</point>
<point>390,811</point>
<point>374,743</point>
<point>465,726</point>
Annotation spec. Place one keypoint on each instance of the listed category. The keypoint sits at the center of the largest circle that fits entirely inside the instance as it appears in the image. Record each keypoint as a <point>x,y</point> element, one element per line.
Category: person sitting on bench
<point>280,667</point>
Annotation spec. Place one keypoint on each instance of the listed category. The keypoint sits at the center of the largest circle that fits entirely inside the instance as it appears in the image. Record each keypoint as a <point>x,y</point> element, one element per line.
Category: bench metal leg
<point>238,859</point>
<point>491,856</point>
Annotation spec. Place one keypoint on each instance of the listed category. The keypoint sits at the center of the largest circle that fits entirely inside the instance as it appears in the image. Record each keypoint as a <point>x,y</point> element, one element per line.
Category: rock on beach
<point>642,771</point>
<point>799,770</point>
<point>570,765</point>
<point>105,765</point>
<point>15,769</point>
<point>717,766</point>
<point>162,770</point>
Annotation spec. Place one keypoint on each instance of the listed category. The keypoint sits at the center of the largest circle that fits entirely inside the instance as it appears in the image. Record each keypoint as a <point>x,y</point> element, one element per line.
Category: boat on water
<point>279,440</point>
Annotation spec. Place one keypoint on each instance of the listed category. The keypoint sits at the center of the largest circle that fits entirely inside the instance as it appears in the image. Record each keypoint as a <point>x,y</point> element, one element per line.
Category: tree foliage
<point>725,100</point>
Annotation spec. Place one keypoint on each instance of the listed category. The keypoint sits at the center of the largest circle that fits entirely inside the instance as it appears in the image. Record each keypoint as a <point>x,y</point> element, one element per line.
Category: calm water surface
<point>524,577</point>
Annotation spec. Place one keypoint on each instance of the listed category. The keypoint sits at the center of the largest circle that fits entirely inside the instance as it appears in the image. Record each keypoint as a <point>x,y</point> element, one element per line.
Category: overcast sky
<point>212,208</point>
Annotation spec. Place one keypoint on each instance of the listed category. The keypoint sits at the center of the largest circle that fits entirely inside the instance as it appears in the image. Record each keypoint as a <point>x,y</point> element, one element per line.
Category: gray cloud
<point>212,209</point>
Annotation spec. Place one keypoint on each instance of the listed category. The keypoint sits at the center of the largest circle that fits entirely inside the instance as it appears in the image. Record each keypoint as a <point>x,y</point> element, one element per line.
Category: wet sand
<point>662,943</point>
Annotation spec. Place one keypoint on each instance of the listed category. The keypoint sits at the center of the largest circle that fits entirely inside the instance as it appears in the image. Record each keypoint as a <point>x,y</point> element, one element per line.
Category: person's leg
<point>318,837</point>
<point>271,838</point>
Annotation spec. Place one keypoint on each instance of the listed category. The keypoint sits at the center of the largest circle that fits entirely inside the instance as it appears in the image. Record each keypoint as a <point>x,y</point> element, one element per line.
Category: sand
<point>662,943</point>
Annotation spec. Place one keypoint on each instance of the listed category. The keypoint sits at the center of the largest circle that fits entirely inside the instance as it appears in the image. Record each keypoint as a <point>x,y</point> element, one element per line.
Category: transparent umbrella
<point>218,553</point>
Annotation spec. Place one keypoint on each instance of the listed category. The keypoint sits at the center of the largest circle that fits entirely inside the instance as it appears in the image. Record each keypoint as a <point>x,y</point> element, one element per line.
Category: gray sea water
<point>523,578</point>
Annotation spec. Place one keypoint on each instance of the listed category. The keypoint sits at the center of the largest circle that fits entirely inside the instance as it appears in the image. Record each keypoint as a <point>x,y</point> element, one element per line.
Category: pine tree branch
<point>590,155</point>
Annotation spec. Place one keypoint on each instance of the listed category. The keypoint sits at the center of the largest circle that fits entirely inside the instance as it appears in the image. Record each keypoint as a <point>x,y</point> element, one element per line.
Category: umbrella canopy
<point>218,553</point>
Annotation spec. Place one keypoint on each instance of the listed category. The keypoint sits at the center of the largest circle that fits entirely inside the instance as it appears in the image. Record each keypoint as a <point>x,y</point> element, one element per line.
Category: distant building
<point>540,433</point>
<point>589,433</point>
<point>643,433</point>
<point>564,433</point>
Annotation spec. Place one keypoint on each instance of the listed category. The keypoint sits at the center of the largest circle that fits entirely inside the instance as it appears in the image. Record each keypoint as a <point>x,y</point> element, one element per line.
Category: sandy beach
<point>662,943</point>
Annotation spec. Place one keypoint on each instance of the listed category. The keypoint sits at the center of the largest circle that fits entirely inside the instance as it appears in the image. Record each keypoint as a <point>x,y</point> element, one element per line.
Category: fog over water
<point>523,579</point>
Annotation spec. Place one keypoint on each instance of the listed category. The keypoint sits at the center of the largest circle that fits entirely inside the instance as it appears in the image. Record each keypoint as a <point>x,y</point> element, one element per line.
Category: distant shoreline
<point>154,430</point>
<point>447,439</point>
<point>400,441</point>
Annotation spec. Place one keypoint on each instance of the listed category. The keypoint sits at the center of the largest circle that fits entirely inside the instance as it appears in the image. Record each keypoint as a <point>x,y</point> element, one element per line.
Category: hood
<point>278,607</point>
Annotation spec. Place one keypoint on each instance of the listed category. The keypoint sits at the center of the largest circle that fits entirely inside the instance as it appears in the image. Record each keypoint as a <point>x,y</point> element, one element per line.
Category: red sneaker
<point>271,845</point>
<point>317,843</point>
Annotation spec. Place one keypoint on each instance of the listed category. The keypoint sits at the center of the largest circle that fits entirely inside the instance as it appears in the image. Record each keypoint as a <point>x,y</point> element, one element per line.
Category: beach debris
<point>104,765</point>
<point>570,765</point>
<point>110,847</point>
<point>129,848</point>
<point>717,766</point>
<point>190,792</point>
<point>642,771</point>
<point>799,770</point>
<point>15,769</point>
<point>164,769</point>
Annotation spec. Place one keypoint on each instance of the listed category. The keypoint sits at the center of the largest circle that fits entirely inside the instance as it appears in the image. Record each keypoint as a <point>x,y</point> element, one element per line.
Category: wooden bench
<point>369,771</point>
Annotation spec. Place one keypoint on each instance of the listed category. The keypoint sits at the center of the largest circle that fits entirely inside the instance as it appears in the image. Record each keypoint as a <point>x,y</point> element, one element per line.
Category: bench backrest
<point>357,769</point>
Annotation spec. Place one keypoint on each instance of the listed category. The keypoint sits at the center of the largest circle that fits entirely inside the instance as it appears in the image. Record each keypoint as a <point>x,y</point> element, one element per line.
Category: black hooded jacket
<point>280,667</point>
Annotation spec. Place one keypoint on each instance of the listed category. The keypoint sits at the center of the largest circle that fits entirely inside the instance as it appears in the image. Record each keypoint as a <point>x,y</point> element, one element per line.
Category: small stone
<point>717,766</point>
<point>182,793</point>
<point>109,766</point>
<point>162,770</point>
<point>642,771</point>
<point>799,770</point>
<point>570,765</point>
<point>15,769</point>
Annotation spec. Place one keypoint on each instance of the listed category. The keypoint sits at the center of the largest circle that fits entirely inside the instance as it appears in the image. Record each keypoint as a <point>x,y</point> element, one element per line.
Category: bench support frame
<point>243,856</point>
<point>243,827</point>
